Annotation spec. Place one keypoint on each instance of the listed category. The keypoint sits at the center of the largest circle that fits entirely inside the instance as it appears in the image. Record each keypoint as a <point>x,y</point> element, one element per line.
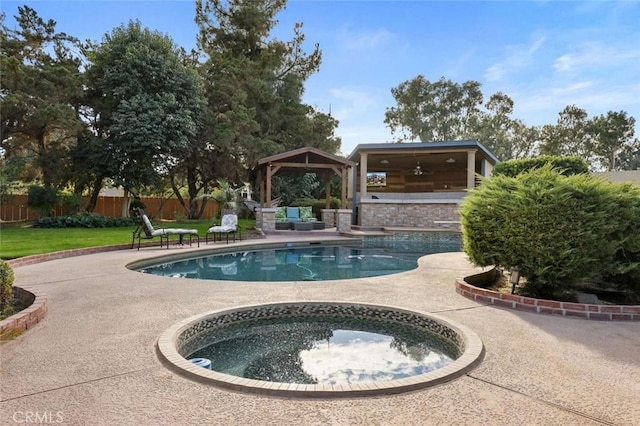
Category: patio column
<point>471,168</point>
<point>363,175</point>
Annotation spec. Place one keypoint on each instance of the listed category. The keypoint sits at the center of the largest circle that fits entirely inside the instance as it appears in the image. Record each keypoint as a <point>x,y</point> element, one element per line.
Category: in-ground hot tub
<point>321,349</point>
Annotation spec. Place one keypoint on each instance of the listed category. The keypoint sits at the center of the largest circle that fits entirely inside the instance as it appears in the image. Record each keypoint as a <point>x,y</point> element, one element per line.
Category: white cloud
<point>363,40</point>
<point>352,102</point>
<point>360,112</point>
<point>518,57</point>
<point>596,55</point>
<point>542,105</point>
<point>348,358</point>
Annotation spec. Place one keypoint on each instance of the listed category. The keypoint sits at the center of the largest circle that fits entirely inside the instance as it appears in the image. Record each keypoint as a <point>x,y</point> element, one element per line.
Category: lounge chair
<point>228,226</point>
<point>147,231</point>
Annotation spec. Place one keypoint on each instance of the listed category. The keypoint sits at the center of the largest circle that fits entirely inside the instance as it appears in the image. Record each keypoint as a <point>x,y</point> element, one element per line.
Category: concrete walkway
<point>92,360</point>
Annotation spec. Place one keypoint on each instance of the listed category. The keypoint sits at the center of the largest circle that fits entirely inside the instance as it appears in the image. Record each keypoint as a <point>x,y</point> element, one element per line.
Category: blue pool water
<point>375,256</point>
<point>325,350</point>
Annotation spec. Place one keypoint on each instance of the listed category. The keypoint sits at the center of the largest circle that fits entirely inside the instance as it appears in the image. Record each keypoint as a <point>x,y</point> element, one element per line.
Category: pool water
<point>373,257</point>
<point>325,350</point>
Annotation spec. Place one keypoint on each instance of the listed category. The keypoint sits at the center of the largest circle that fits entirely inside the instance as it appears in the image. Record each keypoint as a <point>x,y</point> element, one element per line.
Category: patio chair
<point>146,231</point>
<point>228,226</point>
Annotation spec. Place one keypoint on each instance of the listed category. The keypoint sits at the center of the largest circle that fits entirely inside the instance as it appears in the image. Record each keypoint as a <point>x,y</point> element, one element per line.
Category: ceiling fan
<point>418,170</point>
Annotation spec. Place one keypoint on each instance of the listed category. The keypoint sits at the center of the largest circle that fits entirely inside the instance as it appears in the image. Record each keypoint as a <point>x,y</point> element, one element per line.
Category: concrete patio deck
<point>92,360</point>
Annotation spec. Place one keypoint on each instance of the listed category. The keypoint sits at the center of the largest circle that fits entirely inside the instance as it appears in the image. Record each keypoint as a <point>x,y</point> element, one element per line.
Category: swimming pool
<point>372,256</point>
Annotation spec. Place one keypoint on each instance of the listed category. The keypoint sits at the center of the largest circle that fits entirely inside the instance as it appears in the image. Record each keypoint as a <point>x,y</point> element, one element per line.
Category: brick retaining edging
<point>551,307</point>
<point>26,318</point>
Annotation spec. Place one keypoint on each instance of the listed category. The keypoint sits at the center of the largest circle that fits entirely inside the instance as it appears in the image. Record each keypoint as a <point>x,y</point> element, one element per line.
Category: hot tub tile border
<point>169,345</point>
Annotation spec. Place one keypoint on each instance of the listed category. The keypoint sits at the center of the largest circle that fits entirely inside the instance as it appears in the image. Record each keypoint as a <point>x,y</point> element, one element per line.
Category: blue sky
<point>544,54</point>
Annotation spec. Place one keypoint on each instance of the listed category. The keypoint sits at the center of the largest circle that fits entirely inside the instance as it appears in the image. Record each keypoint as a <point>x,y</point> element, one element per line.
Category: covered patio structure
<point>303,159</point>
<point>415,185</point>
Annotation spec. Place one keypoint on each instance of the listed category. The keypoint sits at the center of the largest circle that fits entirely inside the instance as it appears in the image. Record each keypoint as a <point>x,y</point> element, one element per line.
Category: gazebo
<point>303,159</point>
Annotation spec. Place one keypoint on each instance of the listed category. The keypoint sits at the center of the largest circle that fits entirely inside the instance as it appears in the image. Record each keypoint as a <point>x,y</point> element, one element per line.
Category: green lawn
<point>23,240</point>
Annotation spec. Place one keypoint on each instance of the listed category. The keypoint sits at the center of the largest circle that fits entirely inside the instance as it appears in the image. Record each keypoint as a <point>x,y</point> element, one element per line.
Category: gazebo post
<point>327,190</point>
<point>269,184</point>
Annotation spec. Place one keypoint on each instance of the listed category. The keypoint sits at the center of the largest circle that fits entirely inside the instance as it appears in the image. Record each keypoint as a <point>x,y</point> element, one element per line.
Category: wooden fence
<point>14,208</point>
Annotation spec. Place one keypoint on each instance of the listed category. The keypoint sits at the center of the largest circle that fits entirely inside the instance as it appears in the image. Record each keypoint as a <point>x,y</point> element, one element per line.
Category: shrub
<point>84,220</point>
<point>6,288</point>
<point>567,165</point>
<point>71,203</point>
<point>43,199</point>
<point>624,271</point>
<point>557,229</point>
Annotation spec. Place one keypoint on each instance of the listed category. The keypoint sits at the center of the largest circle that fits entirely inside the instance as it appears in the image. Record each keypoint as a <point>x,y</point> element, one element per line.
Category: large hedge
<point>557,229</point>
<point>567,165</point>
<point>84,220</point>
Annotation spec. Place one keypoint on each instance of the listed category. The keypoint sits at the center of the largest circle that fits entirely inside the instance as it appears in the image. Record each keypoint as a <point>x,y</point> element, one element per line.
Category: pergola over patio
<point>306,158</point>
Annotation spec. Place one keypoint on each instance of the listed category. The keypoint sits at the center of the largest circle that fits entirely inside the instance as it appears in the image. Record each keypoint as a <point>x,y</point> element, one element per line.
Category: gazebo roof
<point>306,157</point>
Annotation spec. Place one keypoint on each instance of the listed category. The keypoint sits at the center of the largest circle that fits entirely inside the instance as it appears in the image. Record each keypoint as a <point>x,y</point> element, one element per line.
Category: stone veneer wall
<point>266,219</point>
<point>329,217</point>
<point>409,215</point>
<point>343,218</point>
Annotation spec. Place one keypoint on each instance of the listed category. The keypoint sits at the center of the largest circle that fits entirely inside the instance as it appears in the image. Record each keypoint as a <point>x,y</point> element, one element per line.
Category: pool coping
<point>169,356</point>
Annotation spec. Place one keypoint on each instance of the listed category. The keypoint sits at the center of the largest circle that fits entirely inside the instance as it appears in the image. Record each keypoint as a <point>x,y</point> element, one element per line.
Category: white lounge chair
<point>228,226</point>
<point>147,231</point>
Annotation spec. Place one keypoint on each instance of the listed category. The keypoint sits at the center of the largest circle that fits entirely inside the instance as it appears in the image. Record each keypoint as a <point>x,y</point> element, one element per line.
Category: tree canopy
<point>136,110</point>
<point>146,103</point>
<point>41,93</point>
<point>445,110</point>
<point>254,85</point>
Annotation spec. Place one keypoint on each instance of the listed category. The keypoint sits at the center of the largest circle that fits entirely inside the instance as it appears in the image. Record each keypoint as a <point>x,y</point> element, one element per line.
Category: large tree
<point>605,141</point>
<point>506,137</point>
<point>146,105</point>
<point>571,135</point>
<point>444,110</point>
<point>41,88</point>
<point>254,86</point>
<point>613,139</point>
<point>433,111</point>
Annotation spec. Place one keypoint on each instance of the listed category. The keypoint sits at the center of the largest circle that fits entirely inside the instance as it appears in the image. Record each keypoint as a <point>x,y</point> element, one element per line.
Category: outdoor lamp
<point>514,278</point>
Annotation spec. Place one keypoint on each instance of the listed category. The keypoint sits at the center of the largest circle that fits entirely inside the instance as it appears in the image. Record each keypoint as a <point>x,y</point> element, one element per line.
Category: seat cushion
<point>281,214</point>
<point>293,214</point>
<point>174,231</point>
<point>221,229</point>
<point>229,220</point>
<point>306,214</point>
